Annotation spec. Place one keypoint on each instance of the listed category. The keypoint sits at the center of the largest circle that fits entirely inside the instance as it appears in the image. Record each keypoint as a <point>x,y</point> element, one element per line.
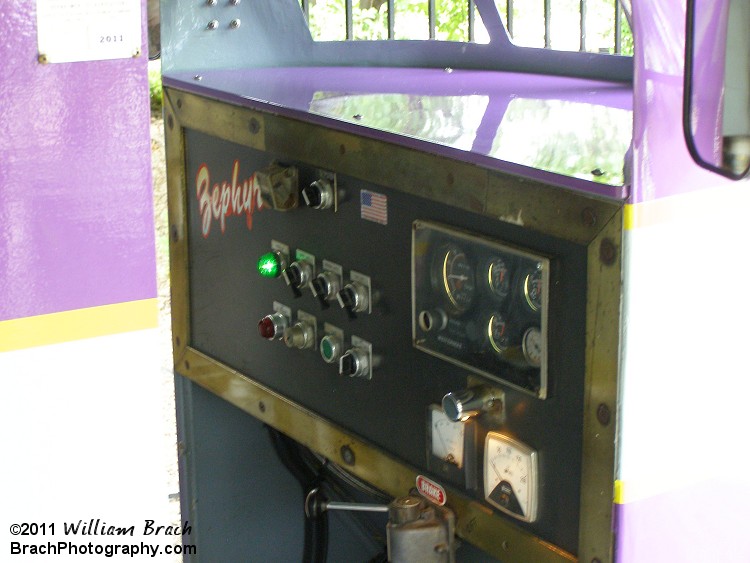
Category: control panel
<point>449,341</point>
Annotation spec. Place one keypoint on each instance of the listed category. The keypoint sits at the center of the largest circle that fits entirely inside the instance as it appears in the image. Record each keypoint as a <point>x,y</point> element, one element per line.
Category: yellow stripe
<point>722,204</point>
<point>619,492</point>
<point>75,325</point>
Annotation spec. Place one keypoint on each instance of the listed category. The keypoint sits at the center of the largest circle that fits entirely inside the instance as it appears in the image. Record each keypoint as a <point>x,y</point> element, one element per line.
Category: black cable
<point>313,471</point>
<point>315,548</point>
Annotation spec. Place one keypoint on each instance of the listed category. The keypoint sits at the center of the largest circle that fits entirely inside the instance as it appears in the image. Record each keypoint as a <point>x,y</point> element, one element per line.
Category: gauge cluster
<point>481,304</point>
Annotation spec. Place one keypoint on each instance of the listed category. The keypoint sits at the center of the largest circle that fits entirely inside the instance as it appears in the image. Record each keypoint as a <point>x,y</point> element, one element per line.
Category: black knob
<point>319,194</point>
<point>354,297</point>
<point>297,276</point>
<point>324,287</point>
<point>354,363</point>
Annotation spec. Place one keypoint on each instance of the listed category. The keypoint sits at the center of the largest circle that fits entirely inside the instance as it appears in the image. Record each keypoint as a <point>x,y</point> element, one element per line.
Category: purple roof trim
<point>323,95</point>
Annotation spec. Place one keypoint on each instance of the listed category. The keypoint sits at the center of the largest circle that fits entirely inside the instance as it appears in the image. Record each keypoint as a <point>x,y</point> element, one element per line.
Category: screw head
<point>347,454</point>
<point>588,216</point>
<point>607,252</point>
<point>603,414</point>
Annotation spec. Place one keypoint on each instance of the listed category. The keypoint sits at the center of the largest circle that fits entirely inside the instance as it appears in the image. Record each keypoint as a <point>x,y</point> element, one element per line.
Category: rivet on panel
<point>603,414</point>
<point>170,122</point>
<point>607,252</point>
<point>198,77</point>
<point>174,232</point>
<point>213,24</point>
<point>234,24</point>
<point>588,216</point>
<point>211,2</point>
<point>177,341</point>
<point>347,454</point>
<point>254,126</point>
<point>179,103</point>
<point>187,364</point>
<point>136,52</point>
<point>234,2</point>
<point>262,406</point>
<point>42,59</point>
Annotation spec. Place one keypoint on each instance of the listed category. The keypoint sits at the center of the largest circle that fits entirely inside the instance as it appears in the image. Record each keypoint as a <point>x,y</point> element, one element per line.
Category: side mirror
<point>716,110</point>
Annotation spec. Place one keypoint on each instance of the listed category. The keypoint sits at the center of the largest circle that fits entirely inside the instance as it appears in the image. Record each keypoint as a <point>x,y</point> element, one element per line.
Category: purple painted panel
<point>706,522</point>
<point>76,218</point>
<point>662,165</point>
<point>538,126</point>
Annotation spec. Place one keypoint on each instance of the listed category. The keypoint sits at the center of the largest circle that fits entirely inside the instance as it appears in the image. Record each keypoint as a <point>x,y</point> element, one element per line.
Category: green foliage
<point>154,87</point>
<point>370,21</point>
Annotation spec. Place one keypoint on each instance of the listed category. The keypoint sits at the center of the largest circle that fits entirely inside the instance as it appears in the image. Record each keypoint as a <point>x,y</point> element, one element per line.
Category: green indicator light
<point>326,349</point>
<point>269,265</point>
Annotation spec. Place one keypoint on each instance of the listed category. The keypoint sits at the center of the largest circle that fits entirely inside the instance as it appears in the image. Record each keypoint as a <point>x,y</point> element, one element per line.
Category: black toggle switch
<point>319,194</point>
<point>297,276</point>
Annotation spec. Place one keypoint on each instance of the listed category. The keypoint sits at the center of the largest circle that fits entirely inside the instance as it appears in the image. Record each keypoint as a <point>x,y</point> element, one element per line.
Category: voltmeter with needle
<point>452,447</point>
<point>511,476</point>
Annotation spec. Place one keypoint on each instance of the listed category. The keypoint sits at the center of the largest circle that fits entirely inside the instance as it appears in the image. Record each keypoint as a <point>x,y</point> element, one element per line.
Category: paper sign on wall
<point>88,30</point>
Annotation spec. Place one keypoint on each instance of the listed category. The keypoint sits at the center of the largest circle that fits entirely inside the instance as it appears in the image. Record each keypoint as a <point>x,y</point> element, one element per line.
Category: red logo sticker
<point>235,197</point>
<point>431,490</point>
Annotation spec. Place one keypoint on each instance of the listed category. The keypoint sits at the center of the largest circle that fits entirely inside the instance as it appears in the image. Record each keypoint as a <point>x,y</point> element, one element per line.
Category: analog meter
<point>447,437</point>
<point>511,476</point>
<point>533,288</point>
<point>451,447</point>
<point>457,273</point>
<point>532,346</point>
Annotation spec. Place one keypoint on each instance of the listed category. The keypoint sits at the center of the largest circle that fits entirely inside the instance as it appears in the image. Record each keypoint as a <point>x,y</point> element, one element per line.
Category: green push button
<point>329,348</point>
<point>269,265</point>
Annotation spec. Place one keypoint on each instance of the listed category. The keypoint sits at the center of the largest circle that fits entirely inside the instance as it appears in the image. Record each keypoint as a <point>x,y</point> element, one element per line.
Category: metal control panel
<point>429,338</point>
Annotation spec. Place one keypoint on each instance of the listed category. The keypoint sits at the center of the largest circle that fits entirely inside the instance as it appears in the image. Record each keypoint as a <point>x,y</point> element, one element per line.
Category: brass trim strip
<point>519,201</point>
<point>603,307</point>
<point>178,227</point>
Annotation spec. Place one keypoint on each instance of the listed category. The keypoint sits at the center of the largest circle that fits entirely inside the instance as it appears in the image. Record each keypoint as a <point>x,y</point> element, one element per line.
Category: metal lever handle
<point>354,506</point>
<point>316,504</point>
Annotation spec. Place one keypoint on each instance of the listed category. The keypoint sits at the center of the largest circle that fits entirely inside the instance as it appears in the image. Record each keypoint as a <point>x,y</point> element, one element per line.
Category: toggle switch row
<point>327,285</point>
<point>355,361</point>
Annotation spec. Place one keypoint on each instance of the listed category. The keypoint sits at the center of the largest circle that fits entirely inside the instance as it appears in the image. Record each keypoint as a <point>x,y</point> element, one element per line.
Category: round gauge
<point>458,278</point>
<point>531,344</point>
<point>498,277</point>
<point>511,476</point>
<point>532,288</point>
<point>447,437</point>
<point>497,333</point>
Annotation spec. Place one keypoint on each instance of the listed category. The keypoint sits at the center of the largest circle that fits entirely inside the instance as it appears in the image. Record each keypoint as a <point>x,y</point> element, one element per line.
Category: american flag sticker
<point>373,206</point>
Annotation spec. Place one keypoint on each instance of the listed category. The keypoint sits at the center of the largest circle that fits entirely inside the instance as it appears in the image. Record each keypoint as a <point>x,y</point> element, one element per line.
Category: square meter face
<point>481,304</point>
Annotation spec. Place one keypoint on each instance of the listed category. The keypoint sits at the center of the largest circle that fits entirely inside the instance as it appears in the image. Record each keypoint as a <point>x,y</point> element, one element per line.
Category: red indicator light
<point>266,328</point>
